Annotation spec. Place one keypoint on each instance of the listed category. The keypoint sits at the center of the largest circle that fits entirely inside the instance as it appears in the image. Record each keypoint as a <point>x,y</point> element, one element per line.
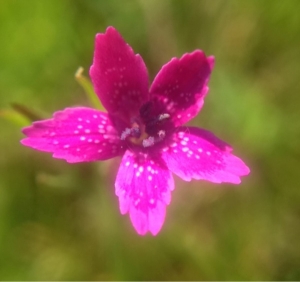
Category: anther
<point>125,133</point>
<point>132,132</point>
<point>161,134</point>
<point>163,116</point>
<point>160,118</point>
<point>148,142</point>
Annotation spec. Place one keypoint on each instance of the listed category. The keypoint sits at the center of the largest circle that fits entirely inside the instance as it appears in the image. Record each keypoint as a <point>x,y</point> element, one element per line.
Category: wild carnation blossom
<point>143,126</point>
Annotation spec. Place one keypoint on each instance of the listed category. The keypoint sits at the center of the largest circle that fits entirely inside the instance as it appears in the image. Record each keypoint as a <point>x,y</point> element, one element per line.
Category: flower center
<point>146,133</point>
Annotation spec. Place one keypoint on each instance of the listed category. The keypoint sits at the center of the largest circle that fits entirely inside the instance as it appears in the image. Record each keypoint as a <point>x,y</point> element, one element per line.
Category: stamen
<point>148,142</point>
<point>161,134</point>
<point>134,132</point>
<point>125,133</point>
<point>158,119</point>
<point>163,116</point>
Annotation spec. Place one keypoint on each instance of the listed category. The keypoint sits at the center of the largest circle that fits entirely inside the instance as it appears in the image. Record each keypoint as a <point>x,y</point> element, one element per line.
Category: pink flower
<point>144,126</point>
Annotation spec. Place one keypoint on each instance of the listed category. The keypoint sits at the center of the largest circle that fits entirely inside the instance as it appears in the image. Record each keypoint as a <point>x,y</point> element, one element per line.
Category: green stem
<point>88,88</point>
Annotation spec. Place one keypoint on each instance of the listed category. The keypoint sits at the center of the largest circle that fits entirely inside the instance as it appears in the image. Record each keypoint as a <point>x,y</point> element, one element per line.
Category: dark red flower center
<point>151,126</point>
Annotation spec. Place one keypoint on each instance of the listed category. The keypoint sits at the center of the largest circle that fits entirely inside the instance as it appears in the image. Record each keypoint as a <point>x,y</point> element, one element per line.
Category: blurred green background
<point>61,222</point>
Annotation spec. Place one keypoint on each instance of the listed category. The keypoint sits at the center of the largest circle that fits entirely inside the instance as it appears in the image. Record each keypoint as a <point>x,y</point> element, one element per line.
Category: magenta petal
<point>144,189</point>
<point>181,85</point>
<point>119,76</point>
<point>197,153</point>
<point>76,135</point>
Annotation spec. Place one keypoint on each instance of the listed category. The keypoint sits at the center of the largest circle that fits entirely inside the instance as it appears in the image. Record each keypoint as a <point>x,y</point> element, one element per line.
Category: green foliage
<point>61,222</point>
